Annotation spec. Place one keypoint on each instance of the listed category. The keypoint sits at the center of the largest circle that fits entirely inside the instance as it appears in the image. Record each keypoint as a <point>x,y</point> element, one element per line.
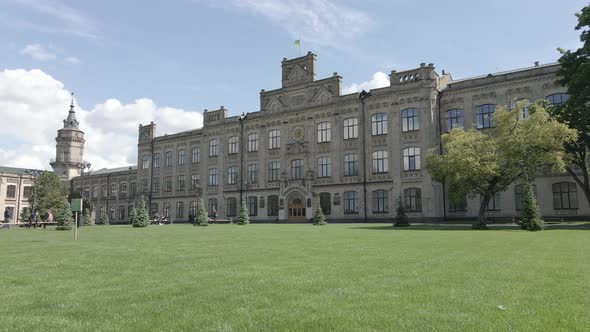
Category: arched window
<point>413,199</point>
<point>485,116</point>
<point>380,162</point>
<point>273,206</point>
<point>324,167</point>
<point>379,124</point>
<point>565,196</point>
<point>252,206</point>
<point>524,112</point>
<point>213,147</point>
<point>274,139</point>
<point>380,201</point>
<point>113,190</point>
<point>196,155</point>
<point>454,119</point>
<point>351,202</point>
<point>232,175</point>
<point>232,145</point>
<point>253,142</point>
<point>212,207</point>
<point>323,132</point>
<point>351,164</point>
<point>558,98</point>
<point>297,169</point>
<point>11,191</point>
<point>213,177</point>
<point>326,203</point>
<point>232,206</point>
<point>181,157</point>
<point>411,158</point>
<point>410,120</point>
<point>351,128</point>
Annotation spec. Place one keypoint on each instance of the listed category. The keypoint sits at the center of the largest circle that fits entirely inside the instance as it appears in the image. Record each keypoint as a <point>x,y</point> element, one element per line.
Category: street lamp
<point>83,166</point>
<point>35,173</point>
<point>242,151</point>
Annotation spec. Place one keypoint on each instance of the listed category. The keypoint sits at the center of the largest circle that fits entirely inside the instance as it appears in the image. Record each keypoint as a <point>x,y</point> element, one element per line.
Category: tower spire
<point>71,121</point>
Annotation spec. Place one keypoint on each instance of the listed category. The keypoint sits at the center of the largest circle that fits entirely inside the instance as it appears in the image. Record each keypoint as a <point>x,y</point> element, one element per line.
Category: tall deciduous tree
<point>575,74</point>
<point>478,163</point>
<point>50,194</point>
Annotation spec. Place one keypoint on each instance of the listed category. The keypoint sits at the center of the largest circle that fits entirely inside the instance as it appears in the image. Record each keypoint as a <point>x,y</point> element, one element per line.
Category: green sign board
<point>76,205</point>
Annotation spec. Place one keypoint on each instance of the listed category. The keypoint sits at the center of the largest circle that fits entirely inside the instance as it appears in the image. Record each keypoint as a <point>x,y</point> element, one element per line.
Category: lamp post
<point>83,166</point>
<point>248,183</point>
<point>35,174</point>
<point>362,96</point>
<point>242,151</point>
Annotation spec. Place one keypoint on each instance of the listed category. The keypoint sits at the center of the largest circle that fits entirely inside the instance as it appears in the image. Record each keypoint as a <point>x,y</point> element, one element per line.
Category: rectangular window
<point>113,190</point>
<point>252,205</point>
<point>123,190</point>
<point>168,158</point>
<point>122,212</point>
<point>324,167</point>
<point>144,185</point>
<point>413,199</point>
<point>351,165</point>
<point>351,202</point>
<point>155,185</point>
<point>274,139</point>
<point>253,142</point>
<point>454,119</point>
<point>297,169</point>
<point>410,120</point>
<point>103,191</point>
<point>157,157</point>
<point>10,192</point>
<point>323,132</point>
<point>380,201</point>
<point>194,181</point>
<point>326,203</point>
<point>458,206</point>
<point>181,157</point>
<point>193,208</point>
<point>145,161</point>
<point>232,207</point>
<point>27,192</point>
<point>380,162</point>
<point>379,124</point>
<point>273,206</point>
<point>212,207</point>
<point>166,210</point>
<point>196,155</point>
<point>273,171</point>
<point>252,173</point>
<point>351,128</point>
<point>232,175</point>
<point>213,151</point>
<point>180,210</point>
<point>232,145</point>
<point>168,184</point>
<point>180,184</point>
<point>213,177</point>
<point>132,189</point>
<point>411,157</point>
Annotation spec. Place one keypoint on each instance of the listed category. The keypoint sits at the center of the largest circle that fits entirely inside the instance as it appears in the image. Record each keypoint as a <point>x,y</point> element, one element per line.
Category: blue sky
<point>135,61</point>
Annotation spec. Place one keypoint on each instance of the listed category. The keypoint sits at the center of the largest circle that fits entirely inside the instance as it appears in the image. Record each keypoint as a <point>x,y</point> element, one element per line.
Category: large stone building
<point>357,154</point>
<point>16,186</point>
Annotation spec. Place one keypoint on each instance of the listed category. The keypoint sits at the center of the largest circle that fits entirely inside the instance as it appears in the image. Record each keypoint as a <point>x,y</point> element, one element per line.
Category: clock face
<point>298,133</point>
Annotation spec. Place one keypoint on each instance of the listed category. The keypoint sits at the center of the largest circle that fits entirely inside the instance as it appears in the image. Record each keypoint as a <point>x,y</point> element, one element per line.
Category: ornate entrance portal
<point>296,207</point>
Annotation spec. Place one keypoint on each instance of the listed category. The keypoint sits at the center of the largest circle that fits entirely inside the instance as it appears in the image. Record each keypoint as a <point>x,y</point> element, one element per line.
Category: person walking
<point>8,217</point>
<point>49,218</point>
<point>32,219</point>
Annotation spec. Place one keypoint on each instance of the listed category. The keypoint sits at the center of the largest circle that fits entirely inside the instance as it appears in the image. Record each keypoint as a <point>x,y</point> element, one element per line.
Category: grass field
<point>294,278</point>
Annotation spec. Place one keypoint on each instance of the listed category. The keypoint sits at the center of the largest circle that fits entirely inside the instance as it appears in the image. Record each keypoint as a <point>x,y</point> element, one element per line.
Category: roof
<point>505,72</point>
<point>16,170</point>
<point>114,170</point>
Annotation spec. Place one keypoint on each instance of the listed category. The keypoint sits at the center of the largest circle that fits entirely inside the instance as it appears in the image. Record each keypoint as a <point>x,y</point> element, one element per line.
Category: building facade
<point>356,155</point>
<point>16,186</point>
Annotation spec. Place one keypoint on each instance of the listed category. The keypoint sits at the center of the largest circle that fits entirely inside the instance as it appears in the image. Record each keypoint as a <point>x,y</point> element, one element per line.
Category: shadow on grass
<point>467,227</point>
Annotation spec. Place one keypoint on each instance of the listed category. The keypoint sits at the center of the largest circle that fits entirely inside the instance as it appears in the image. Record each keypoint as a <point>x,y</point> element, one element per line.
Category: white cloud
<point>379,80</point>
<point>38,52</point>
<point>316,22</point>
<point>35,104</point>
<point>73,60</point>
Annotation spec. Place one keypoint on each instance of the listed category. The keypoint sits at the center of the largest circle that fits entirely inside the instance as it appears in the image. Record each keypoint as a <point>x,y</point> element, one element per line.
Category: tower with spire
<point>69,148</point>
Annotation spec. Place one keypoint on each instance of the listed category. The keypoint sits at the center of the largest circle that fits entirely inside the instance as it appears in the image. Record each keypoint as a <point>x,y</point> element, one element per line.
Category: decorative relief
<point>552,85</point>
<point>412,174</point>
<point>297,148</point>
<point>411,137</point>
<point>379,140</point>
<point>488,95</point>
<point>298,133</point>
<point>455,100</point>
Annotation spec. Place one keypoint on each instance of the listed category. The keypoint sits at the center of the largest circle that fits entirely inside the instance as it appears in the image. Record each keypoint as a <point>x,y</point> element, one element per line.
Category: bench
<point>26,224</point>
<point>219,221</point>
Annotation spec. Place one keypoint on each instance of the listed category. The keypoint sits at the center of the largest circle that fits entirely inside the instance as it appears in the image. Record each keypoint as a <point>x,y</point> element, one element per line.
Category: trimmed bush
<point>65,220</point>
<point>401,216</point>
<point>142,219</point>
<point>530,216</point>
<point>86,218</point>
<point>243,218</point>
<point>132,216</point>
<point>201,219</point>
<point>104,220</point>
<point>319,219</point>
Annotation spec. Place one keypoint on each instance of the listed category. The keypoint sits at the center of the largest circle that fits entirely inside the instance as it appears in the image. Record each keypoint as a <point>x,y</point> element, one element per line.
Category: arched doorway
<point>296,207</point>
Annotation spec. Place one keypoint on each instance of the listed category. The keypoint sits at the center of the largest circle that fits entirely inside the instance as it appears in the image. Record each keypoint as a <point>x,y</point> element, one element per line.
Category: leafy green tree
<point>50,194</point>
<point>132,216</point>
<point>64,218</point>
<point>25,214</point>
<point>401,216</point>
<point>319,219</point>
<point>530,216</point>
<point>201,219</point>
<point>477,163</point>
<point>575,74</point>
<point>86,217</point>
<point>142,219</point>
<point>243,218</point>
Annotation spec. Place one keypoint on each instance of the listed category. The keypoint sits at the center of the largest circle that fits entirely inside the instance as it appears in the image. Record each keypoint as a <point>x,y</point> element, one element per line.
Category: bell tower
<point>69,148</point>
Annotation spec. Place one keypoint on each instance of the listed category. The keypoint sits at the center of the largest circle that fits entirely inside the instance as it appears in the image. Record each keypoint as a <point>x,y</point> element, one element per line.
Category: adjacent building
<point>16,186</point>
<point>357,155</point>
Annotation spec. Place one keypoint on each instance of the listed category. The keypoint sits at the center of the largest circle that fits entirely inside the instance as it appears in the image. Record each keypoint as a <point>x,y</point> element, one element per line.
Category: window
<point>458,206</point>
<point>87,193</point>
<point>181,157</point>
<point>166,210</point>
<point>273,171</point>
<point>168,184</point>
<point>297,169</point>
<point>351,128</point>
<point>324,167</point>
<point>379,124</point>
<point>113,190</point>
<point>525,109</point>
<point>196,155</point>
<point>94,192</point>
<point>323,132</point>
<point>485,116</point>
<point>413,199</point>
<point>519,191</point>
<point>11,191</point>
<point>103,191</point>
<point>454,119</point>
<point>180,183</point>
<point>232,175</point>
<point>132,189</point>
<point>194,181</point>
<point>273,206</point>
<point>351,164</point>
<point>494,203</point>
<point>212,206</point>
<point>380,201</point>
<point>27,192</point>
<point>232,207</point>
<point>168,158</point>
<point>380,162</point>
<point>155,185</point>
<point>213,177</point>
<point>565,196</point>
<point>122,212</point>
<point>326,203</point>
<point>213,148</point>
<point>351,202</point>
<point>123,190</point>
<point>153,209</point>
<point>103,211</point>
<point>192,206</point>
<point>252,173</point>
<point>232,145</point>
<point>253,142</point>
<point>144,185</point>
<point>252,205</point>
<point>410,120</point>
<point>274,139</point>
<point>157,157</point>
<point>145,162</point>
<point>112,213</point>
<point>411,158</point>
<point>558,99</point>
<point>180,210</point>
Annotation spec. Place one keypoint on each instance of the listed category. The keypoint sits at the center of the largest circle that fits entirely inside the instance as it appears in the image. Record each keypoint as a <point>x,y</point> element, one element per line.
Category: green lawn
<point>294,277</point>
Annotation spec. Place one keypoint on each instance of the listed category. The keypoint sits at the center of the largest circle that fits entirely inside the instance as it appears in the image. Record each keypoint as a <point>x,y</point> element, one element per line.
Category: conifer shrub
<point>401,216</point>
<point>142,219</point>
<point>530,216</point>
<point>243,218</point>
<point>201,219</point>
<point>64,219</point>
<point>319,219</point>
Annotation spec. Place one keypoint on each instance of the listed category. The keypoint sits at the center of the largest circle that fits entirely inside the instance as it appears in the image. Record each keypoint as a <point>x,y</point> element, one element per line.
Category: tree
<point>86,217</point>
<point>64,218</point>
<point>104,220</point>
<point>132,216</point>
<point>201,219</point>
<point>50,194</point>
<point>481,164</point>
<point>575,74</point>
<point>142,219</point>
<point>401,216</point>
<point>25,214</point>
<point>530,216</point>
<point>319,219</point>
<point>243,218</point>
